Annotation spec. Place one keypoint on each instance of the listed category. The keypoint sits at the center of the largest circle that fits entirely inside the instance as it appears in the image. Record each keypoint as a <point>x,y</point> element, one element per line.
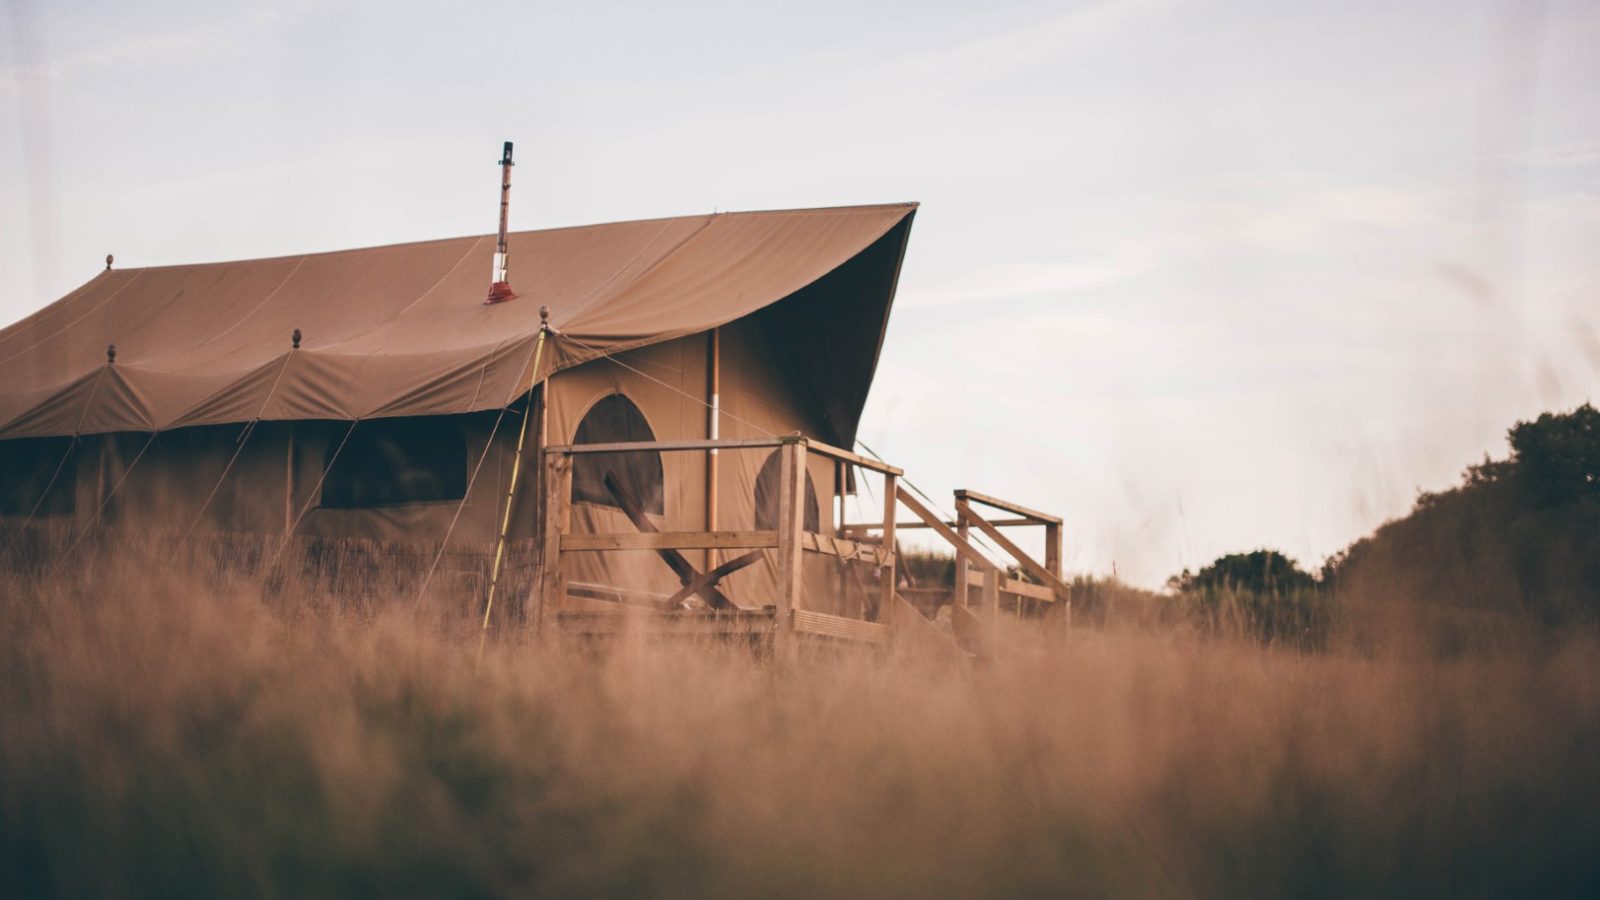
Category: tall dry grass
<point>167,734</point>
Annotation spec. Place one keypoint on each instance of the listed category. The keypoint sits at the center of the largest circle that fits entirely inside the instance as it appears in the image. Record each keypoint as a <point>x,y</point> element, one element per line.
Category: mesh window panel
<point>38,476</point>
<point>615,419</point>
<point>767,497</point>
<point>387,462</point>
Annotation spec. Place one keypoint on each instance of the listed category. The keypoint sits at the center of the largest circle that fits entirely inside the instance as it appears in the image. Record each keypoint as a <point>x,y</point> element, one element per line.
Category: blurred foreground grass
<point>159,739</point>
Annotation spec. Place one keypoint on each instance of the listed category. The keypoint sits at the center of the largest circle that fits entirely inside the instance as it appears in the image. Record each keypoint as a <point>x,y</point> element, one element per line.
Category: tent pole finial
<point>294,339</point>
<point>109,259</point>
<point>111,354</point>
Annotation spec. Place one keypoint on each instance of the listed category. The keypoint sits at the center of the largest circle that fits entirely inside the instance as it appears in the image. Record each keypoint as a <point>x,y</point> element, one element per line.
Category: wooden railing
<point>872,544</point>
<point>789,541</point>
<point>972,623</point>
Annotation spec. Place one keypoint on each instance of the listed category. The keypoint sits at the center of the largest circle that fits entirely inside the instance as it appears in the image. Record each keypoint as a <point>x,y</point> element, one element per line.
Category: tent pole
<point>516,469</point>
<point>288,485</point>
<point>713,409</point>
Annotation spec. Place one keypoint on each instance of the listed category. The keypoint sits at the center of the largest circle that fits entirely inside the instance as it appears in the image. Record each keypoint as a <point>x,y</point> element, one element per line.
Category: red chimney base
<point>499,292</point>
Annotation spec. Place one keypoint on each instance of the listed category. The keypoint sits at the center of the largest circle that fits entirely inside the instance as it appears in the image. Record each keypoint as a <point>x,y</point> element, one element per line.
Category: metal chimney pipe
<point>500,288</point>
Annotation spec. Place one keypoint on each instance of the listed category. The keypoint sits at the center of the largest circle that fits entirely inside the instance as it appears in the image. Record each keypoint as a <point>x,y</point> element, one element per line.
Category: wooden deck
<point>582,616</point>
<point>883,617</point>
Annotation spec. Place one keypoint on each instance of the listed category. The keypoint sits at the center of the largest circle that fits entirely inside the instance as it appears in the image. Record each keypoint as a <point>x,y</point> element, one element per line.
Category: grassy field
<point>164,739</point>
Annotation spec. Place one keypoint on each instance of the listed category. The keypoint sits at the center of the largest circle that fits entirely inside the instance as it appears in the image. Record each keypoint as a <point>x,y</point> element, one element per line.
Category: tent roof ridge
<point>751,213</point>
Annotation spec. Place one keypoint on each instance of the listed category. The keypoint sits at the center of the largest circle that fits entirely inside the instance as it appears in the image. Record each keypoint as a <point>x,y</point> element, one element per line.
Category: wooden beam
<point>809,621</point>
<point>843,548</point>
<point>579,603</point>
<point>666,446</point>
<point>1052,548</point>
<point>713,430</point>
<point>998,523</point>
<point>711,578</point>
<point>668,624</point>
<point>615,595</point>
<point>962,595</point>
<point>1013,508</point>
<point>557,491</point>
<point>854,600</point>
<point>675,560</point>
<point>1010,585</point>
<point>791,523</point>
<point>669,540</point>
<point>991,605</point>
<point>889,569</point>
<point>833,452</point>
<point>1027,562</point>
<point>838,495</point>
<point>963,548</point>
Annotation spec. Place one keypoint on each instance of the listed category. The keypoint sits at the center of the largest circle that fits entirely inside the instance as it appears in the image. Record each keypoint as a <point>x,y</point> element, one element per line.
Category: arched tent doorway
<point>766,497</point>
<point>616,419</point>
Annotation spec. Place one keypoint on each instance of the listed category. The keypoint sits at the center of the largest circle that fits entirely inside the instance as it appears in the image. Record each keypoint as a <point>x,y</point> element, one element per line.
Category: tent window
<point>614,419</point>
<point>39,477</point>
<point>386,462</point>
<point>767,497</point>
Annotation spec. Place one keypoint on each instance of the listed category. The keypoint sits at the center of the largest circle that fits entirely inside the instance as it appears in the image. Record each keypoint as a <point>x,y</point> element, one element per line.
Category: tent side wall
<point>668,383</point>
<point>207,479</point>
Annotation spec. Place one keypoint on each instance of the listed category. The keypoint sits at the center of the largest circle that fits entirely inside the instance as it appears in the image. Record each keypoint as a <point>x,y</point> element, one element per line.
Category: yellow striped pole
<point>511,491</point>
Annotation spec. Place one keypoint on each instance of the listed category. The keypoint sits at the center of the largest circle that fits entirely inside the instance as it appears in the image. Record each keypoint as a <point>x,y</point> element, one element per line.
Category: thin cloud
<point>1019,281</point>
<point>1580,154</point>
<point>135,51</point>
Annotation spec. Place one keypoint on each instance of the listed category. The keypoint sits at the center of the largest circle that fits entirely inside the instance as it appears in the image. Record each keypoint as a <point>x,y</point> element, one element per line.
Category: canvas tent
<point>394,413</point>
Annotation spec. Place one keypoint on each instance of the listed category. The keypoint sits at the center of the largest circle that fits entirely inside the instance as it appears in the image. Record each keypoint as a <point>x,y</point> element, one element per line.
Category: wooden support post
<point>853,606</point>
<point>791,522</point>
<point>541,434</point>
<point>961,563</point>
<point>891,567</point>
<point>1052,562</point>
<point>991,607</point>
<point>288,484</point>
<point>713,430</point>
<point>840,476</point>
<point>557,491</point>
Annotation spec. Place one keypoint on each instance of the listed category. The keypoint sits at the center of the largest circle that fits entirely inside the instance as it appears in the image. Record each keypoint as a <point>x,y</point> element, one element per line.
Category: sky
<point>1199,277</point>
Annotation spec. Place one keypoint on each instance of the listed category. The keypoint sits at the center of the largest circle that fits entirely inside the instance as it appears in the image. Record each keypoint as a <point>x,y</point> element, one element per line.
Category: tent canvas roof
<point>401,330</point>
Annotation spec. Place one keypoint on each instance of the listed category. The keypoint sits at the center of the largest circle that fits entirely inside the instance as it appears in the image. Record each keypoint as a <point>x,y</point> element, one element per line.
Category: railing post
<point>557,492</point>
<point>891,566</point>
<point>791,522</point>
<point>1052,562</point>
<point>991,605</point>
<point>849,604</point>
<point>961,593</point>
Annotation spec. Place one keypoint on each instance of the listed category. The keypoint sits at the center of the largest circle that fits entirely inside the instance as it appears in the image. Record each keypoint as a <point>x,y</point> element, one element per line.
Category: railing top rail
<point>665,446</point>
<point>1014,508</point>
<point>998,523</point>
<point>853,459</point>
<point>812,446</point>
